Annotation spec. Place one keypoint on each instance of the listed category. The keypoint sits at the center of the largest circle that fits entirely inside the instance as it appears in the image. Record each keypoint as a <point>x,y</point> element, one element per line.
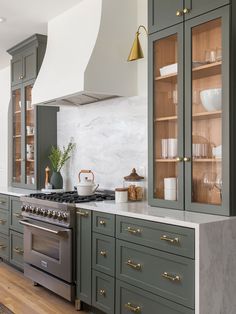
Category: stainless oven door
<point>48,247</point>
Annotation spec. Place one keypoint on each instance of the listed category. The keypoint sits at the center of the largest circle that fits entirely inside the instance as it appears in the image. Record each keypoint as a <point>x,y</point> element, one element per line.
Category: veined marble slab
<point>16,192</point>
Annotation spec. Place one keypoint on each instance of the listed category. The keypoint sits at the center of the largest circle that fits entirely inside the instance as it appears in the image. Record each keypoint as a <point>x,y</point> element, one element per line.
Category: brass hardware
<point>21,77</point>
<point>179,12</point>
<point>103,253</point>
<point>2,221</point>
<point>102,292</point>
<point>18,251</point>
<point>83,214</point>
<point>134,230</point>
<point>179,159</point>
<point>186,10</point>
<point>170,276</point>
<point>57,232</point>
<point>133,265</point>
<point>19,216</point>
<point>102,222</point>
<point>187,159</point>
<point>136,51</point>
<point>168,239</point>
<point>2,246</point>
<point>2,202</point>
<point>133,308</point>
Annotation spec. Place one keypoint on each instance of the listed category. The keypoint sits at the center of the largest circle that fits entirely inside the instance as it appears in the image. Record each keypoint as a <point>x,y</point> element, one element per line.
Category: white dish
<point>217,151</point>
<point>169,69</point>
<point>211,99</point>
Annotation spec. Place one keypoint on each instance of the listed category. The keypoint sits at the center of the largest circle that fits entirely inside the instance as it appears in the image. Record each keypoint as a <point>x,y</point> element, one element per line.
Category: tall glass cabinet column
<point>166,106</point>
<point>207,131</point>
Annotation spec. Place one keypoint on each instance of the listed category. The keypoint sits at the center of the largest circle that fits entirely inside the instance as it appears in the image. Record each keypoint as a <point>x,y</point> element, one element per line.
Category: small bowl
<point>211,99</point>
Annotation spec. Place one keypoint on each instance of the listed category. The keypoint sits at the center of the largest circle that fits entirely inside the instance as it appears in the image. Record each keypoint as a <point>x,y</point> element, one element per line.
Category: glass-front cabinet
<point>189,115</point>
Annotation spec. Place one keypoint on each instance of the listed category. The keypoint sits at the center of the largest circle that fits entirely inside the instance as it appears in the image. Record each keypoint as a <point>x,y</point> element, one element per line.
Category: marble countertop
<point>16,192</point>
<point>142,210</point>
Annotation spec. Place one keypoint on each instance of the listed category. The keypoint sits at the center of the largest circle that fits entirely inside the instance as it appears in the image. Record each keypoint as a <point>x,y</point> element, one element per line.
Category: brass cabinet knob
<point>102,292</point>
<point>187,159</point>
<point>179,159</point>
<point>103,253</point>
<point>102,222</point>
<point>179,12</point>
<point>186,10</point>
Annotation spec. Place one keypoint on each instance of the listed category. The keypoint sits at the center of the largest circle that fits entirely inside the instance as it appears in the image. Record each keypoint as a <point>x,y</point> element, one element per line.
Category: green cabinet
<point>4,247</point>
<point>84,256</point>
<point>16,249</point>
<point>34,129</point>
<point>15,214</point>
<point>190,111</point>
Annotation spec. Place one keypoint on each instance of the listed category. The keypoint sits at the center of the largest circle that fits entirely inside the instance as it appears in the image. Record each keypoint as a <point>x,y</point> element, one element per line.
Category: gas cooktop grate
<point>72,197</point>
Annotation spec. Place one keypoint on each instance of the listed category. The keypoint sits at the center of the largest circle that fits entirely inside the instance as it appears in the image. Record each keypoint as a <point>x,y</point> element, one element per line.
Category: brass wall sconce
<point>136,51</point>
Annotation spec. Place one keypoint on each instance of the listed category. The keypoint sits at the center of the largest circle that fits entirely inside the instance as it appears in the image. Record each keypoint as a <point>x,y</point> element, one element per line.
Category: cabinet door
<point>29,58</point>
<point>17,148</point>
<point>193,8</point>
<point>162,14</point>
<point>16,69</point>
<point>166,118</point>
<point>207,113</point>
<point>84,256</point>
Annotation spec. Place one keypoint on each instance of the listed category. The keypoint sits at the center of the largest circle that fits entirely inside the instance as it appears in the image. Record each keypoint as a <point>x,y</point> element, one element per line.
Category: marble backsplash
<point>110,137</point>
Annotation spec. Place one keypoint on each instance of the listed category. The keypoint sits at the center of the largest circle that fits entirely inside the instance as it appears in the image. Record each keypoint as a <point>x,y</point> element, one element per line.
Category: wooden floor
<point>21,297</point>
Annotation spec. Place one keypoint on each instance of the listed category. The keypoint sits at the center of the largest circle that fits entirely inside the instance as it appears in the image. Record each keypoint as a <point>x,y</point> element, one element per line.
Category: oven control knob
<point>59,216</point>
<point>54,215</point>
<point>45,213</point>
<point>49,213</point>
<point>37,210</point>
<point>23,208</point>
<point>65,217</point>
<point>34,210</point>
<point>41,212</point>
<point>27,208</point>
<point>31,209</point>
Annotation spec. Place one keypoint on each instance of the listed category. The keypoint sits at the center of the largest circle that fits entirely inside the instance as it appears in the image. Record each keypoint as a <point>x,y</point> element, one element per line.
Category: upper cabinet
<point>34,129</point>
<point>192,115</point>
<point>163,14</point>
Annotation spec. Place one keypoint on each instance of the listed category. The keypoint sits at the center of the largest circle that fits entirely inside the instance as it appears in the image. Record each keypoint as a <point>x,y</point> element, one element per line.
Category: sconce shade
<point>136,51</point>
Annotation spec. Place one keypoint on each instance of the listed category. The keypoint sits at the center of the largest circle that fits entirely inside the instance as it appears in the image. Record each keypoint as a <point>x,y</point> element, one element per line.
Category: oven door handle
<point>28,224</point>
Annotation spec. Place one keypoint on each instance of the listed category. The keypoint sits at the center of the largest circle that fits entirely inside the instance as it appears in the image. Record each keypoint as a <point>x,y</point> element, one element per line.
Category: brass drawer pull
<point>133,265</point>
<point>103,253</point>
<point>133,230</point>
<point>168,239</point>
<point>2,202</point>
<point>179,12</point>
<point>187,10</point>
<point>170,276</point>
<point>179,159</point>
<point>2,221</point>
<point>133,308</point>
<point>187,159</point>
<point>102,222</point>
<point>102,292</point>
<point>2,246</point>
<point>83,214</point>
<point>18,251</point>
<point>17,215</point>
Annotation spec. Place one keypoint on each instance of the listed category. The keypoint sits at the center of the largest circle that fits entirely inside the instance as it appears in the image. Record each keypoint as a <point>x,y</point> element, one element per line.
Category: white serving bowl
<point>169,69</point>
<point>211,99</point>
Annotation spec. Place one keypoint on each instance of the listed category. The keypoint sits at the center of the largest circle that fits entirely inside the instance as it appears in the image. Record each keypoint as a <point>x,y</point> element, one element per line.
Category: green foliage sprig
<point>59,157</point>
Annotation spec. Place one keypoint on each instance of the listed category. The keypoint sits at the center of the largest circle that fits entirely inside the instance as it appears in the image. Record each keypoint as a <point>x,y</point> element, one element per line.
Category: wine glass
<point>219,184</point>
<point>209,180</point>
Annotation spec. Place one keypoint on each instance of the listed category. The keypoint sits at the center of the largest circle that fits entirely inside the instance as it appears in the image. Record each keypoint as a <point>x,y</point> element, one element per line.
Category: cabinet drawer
<point>16,249</point>
<point>104,223</point>
<point>164,274</point>
<point>4,247</point>
<point>4,201</point>
<point>103,292</point>
<point>169,238</point>
<point>130,300</point>
<point>15,214</point>
<point>4,222</point>
<point>104,253</point>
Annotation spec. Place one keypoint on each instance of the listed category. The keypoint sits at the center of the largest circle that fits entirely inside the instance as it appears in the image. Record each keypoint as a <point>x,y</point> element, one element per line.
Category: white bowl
<point>211,99</point>
<point>169,69</point>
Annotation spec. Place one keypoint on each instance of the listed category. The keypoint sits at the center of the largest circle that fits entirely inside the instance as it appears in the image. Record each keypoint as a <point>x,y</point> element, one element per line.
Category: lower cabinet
<point>4,247</point>
<point>103,292</point>
<point>130,299</point>
<point>16,249</point>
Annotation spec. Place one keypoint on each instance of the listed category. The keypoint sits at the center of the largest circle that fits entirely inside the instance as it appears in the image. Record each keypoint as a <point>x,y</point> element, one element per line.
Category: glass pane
<point>165,118</point>
<point>17,157</point>
<point>49,247</point>
<point>206,113</point>
<point>30,131</point>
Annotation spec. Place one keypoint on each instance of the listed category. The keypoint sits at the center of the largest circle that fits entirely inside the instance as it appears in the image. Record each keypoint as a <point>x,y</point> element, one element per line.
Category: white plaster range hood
<point>86,56</point>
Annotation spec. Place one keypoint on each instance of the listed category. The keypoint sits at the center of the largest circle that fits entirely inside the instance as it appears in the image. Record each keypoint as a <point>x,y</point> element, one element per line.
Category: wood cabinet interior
<point>165,111</point>
<point>16,99</point>
<point>207,131</point>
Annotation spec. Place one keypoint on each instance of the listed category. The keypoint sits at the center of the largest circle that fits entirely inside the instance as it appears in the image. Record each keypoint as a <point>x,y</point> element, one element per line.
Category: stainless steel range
<point>49,238</point>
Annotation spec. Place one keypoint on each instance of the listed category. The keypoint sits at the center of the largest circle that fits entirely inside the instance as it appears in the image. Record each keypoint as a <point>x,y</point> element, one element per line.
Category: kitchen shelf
<point>170,118</point>
<point>209,69</point>
<point>196,116</point>
<point>29,135</point>
<point>30,160</point>
<point>167,78</point>
<point>17,112</point>
<point>165,160</point>
<point>16,136</point>
<point>207,160</point>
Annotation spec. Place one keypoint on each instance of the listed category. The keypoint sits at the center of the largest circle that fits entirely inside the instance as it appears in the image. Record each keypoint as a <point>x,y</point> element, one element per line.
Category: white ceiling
<point>25,18</point>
